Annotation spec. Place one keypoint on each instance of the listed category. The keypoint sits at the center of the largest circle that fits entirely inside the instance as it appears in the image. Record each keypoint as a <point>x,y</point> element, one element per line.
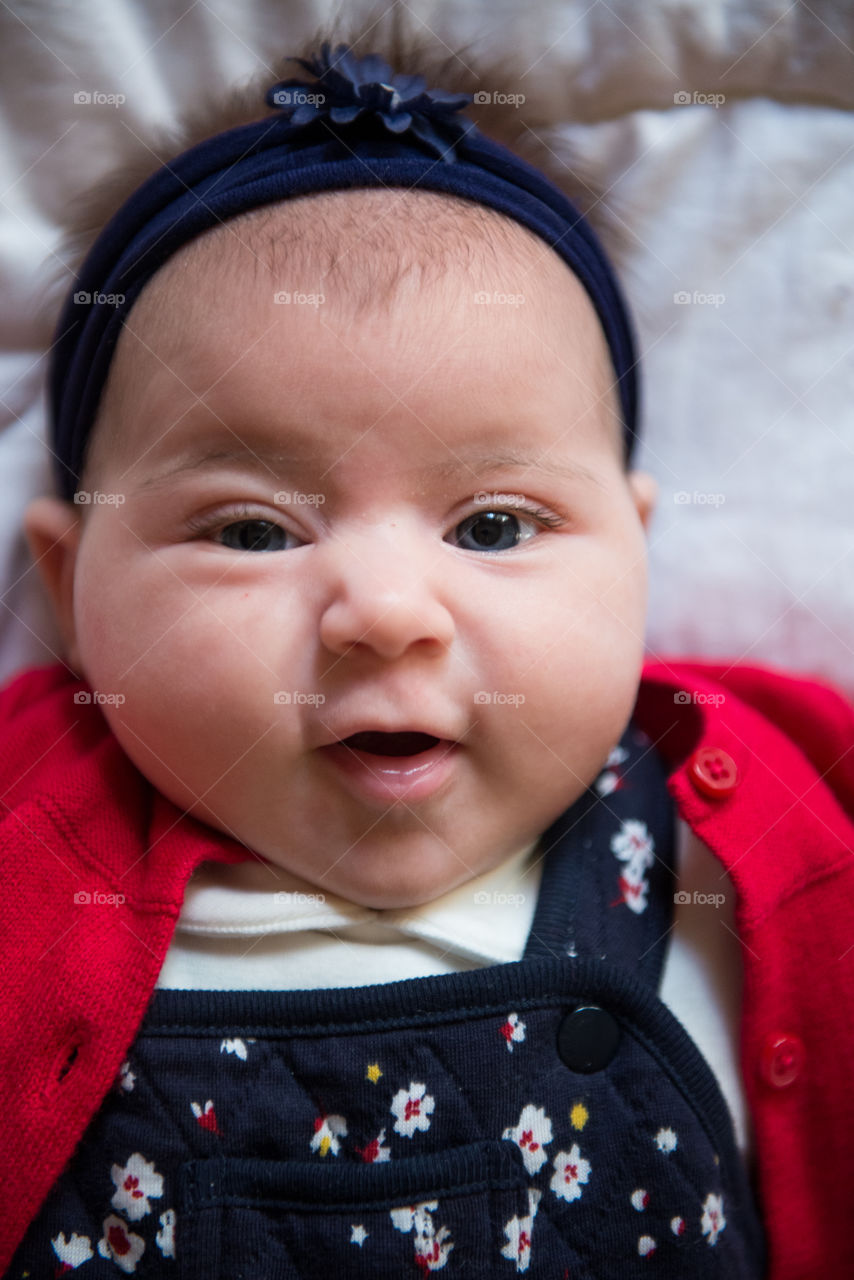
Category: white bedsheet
<point>744,207</point>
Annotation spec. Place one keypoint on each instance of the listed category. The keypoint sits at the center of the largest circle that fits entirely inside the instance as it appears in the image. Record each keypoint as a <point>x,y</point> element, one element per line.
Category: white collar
<point>487,919</point>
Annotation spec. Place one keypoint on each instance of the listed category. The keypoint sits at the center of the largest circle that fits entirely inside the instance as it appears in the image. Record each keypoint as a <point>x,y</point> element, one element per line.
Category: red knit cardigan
<point>78,818</point>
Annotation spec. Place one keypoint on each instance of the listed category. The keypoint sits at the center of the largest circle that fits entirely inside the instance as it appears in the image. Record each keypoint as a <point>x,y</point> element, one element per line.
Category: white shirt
<point>254,926</point>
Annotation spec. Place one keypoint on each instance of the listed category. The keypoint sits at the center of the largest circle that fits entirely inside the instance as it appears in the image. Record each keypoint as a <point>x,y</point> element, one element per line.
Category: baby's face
<point>413,522</point>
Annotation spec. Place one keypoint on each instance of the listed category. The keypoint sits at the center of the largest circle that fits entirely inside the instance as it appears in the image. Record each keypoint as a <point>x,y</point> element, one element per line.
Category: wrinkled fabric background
<point>745,209</point>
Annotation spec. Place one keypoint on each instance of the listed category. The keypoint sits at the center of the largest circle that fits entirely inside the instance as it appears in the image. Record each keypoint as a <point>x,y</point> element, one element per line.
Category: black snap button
<point>588,1038</point>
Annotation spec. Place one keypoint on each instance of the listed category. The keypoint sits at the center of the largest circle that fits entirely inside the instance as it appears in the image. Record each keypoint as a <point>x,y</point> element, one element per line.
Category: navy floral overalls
<point>548,1117</point>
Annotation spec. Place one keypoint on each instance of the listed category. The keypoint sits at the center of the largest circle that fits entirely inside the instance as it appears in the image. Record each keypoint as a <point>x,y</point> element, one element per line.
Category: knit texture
<point>80,819</point>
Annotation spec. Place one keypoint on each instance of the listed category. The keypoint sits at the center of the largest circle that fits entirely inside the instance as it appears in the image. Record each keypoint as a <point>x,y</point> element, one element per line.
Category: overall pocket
<point>249,1219</point>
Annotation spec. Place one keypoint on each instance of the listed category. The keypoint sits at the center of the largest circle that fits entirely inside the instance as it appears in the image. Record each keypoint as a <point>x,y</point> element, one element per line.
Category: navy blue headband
<point>357,125</point>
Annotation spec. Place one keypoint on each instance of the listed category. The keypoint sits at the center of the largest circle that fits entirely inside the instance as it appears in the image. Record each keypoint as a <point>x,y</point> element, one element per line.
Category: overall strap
<point>608,882</point>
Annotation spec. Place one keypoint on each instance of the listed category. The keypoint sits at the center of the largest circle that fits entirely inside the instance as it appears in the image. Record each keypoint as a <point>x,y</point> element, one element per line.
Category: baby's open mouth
<point>390,744</point>
<point>381,769</point>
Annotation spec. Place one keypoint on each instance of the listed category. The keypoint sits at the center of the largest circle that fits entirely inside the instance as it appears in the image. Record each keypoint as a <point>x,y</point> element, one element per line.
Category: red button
<point>713,772</point>
<point>781,1060</point>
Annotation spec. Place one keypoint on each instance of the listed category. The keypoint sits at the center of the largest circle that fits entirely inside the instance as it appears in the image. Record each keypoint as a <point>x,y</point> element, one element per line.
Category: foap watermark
<point>83,298</point>
<point>296,97</point>
<point>95,498</point>
<point>286,498</point>
<point>684,98</point>
<point>297,298</point>
<point>95,98</point>
<point>683,498</point>
<point>484,297</point>
<point>500,699</point>
<point>83,697</point>
<point>96,898</point>
<point>696,899</point>
<point>683,697</point>
<point>492,898</point>
<point>499,499</point>
<point>497,98</point>
<point>696,298</point>
<point>292,697</point>
<point>299,899</point>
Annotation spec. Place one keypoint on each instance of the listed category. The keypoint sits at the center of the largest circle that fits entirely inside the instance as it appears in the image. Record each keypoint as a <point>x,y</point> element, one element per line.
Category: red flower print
<point>375,1152</point>
<point>327,1131</point>
<point>513,1030</point>
<point>206,1116</point>
<point>121,1245</point>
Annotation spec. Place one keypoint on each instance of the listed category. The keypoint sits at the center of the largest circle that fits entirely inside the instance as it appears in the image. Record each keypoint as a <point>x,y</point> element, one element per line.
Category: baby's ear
<point>644,488</point>
<point>53,532</point>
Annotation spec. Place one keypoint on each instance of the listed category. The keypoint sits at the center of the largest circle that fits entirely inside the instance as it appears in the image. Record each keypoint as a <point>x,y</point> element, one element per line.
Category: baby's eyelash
<point>541,514</point>
<point>206,524</point>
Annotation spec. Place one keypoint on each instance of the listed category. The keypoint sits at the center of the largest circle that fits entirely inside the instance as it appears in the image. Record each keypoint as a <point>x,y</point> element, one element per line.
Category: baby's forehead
<point>368,248</point>
<point>379,259</point>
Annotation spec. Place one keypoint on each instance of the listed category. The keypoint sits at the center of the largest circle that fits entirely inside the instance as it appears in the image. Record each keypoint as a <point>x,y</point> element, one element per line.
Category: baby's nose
<point>383,598</point>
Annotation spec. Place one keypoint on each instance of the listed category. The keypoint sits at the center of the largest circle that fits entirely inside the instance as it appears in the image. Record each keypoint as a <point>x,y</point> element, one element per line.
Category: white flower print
<point>571,1170</point>
<point>513,1030</point>
<point>327,1131</point>
<point>413,1108</point>
<point>634,892</point>
<point>633,842</point>
<point>431,1252</point>
<point>519,1231</point>
<point>609,779</point>
<point>375,1152</point>
<point>713,1221</point>
<point>666,1141</point>
<point>531,1135</point>
<point>73,1252</point>
<point>432,1247</point>
<point>237,1047</point>
<point>414,1215</point>
<point>136,1184</point>
<point>121,1245</point>
<point>634,846</point>
<point>358,1234</point>
<point>166,1235</point>
<point>127,1079</point>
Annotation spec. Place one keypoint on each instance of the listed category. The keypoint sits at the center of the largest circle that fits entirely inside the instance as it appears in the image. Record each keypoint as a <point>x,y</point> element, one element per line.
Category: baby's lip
<point>381,768</point>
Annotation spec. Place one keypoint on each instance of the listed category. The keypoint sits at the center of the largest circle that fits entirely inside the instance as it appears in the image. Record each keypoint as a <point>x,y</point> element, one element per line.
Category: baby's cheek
<point>123,615</point>
<point>101,625</point>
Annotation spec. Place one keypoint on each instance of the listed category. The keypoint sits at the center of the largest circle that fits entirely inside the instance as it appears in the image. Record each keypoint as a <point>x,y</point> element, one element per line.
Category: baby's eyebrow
<point>474,464</point>
<point>259,459</point>
<point>480,464</point>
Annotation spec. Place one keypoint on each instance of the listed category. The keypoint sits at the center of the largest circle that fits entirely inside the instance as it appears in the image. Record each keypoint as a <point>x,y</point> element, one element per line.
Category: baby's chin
<point>393,879</point>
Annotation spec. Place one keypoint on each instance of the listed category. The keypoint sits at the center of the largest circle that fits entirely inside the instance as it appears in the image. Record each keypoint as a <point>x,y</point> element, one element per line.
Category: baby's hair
<point>443,223</point>
<point>545,103</point>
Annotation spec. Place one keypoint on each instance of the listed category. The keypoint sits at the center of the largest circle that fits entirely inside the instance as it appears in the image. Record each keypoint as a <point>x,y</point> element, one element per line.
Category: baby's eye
<point>253,535</point>
<point>495,530</point>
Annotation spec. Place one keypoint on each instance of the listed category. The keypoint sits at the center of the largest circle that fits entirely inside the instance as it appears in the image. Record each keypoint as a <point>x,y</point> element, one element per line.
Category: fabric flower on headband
<point>347,86</point>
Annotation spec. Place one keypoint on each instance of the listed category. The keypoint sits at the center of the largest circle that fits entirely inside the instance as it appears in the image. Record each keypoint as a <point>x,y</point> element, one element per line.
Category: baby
<point>349,564</point>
